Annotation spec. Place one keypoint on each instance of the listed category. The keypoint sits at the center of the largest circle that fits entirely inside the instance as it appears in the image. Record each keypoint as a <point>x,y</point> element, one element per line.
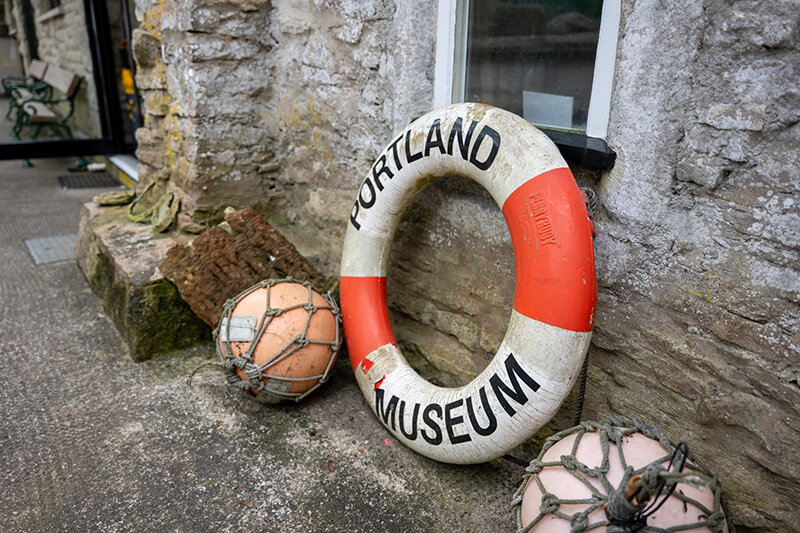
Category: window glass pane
<point>533,57</point>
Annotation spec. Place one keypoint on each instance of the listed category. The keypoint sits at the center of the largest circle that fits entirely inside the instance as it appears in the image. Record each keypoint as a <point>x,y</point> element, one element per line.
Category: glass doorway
<point>73,92</point>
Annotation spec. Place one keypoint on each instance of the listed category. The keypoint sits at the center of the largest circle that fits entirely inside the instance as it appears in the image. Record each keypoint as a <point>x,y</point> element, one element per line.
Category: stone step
<point>120,261</point>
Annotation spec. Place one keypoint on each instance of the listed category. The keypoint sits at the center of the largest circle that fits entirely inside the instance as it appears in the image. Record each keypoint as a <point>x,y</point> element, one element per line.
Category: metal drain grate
<point>90,180</point>
<point>52,249</point>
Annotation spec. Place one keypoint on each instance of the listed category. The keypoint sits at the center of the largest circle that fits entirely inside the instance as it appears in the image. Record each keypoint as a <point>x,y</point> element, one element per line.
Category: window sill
<point>589,151</point>
<point>51,14</point>
<point>128,164</point>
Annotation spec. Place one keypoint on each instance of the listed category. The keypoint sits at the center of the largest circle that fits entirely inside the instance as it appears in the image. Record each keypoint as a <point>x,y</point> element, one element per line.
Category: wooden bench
<point>37,109</point>
<point>29,86</point>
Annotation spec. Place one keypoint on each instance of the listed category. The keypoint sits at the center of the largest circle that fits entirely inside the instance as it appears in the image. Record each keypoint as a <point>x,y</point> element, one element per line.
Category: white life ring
<point>555,296</point>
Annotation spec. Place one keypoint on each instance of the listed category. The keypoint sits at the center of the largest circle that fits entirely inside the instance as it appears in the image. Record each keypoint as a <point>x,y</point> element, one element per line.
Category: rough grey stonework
<point>698,242</point>
<point>284,105</point>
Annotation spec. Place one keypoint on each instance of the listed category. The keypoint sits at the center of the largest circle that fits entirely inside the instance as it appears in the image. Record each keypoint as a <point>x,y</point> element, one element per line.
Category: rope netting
<point>259,377</point>
<point>640,493</point>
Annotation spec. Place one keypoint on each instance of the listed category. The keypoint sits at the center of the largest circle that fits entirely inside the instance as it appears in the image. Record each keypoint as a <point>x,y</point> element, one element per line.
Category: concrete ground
<point>90,441</point>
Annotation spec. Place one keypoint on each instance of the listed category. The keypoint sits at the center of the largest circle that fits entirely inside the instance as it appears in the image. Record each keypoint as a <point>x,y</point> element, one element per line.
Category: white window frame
<point>450,68</point>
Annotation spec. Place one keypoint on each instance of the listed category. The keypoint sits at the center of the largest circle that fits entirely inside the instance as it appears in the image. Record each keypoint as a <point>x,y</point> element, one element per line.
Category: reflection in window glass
<point>534,58</point>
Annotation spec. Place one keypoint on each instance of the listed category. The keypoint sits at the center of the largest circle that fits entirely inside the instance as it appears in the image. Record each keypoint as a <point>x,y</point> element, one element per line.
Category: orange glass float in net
<point>278,339</point>
<point>570,484</point>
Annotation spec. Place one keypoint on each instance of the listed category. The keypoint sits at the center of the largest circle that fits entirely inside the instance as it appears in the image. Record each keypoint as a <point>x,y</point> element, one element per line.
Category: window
<point>549,61</point>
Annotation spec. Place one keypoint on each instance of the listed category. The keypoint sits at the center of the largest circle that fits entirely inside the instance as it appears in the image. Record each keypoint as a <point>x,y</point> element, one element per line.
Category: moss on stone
<point>160,321</point>
<point>146,308</point>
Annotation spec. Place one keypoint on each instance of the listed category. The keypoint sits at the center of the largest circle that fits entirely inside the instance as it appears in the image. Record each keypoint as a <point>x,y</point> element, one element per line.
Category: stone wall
<point>699,238</point>
<point>281,107</point>
<point>16,28</point>
<point>284,105</point>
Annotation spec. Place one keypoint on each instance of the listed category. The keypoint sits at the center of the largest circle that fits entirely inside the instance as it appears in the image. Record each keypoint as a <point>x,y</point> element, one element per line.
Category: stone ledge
<point>120,261</point>
<point>51,14</point>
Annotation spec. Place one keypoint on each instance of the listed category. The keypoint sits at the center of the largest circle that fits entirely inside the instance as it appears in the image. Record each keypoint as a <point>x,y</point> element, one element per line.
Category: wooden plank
<point>21,93</point>
<point>40,112</point>
<point>63,80</point>
<point>220,264</point>
<point>37,69</point>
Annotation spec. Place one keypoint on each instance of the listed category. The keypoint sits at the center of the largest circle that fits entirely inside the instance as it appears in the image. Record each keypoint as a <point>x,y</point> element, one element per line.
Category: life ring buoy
<point>555,296</point>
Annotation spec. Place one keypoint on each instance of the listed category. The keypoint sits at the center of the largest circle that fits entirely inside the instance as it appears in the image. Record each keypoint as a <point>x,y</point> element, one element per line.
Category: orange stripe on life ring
<point>365,315</point>
<point>552,238</point>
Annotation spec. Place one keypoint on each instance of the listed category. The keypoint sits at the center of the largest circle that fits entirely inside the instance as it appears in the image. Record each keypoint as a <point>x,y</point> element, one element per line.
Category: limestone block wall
<point>698,242</point>
<point>283,105</point>
<point>16,29</point>
<point>279,106</point>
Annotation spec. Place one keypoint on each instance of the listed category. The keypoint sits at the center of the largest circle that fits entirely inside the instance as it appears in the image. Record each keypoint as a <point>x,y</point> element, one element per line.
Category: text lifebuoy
<point>555,296</point>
